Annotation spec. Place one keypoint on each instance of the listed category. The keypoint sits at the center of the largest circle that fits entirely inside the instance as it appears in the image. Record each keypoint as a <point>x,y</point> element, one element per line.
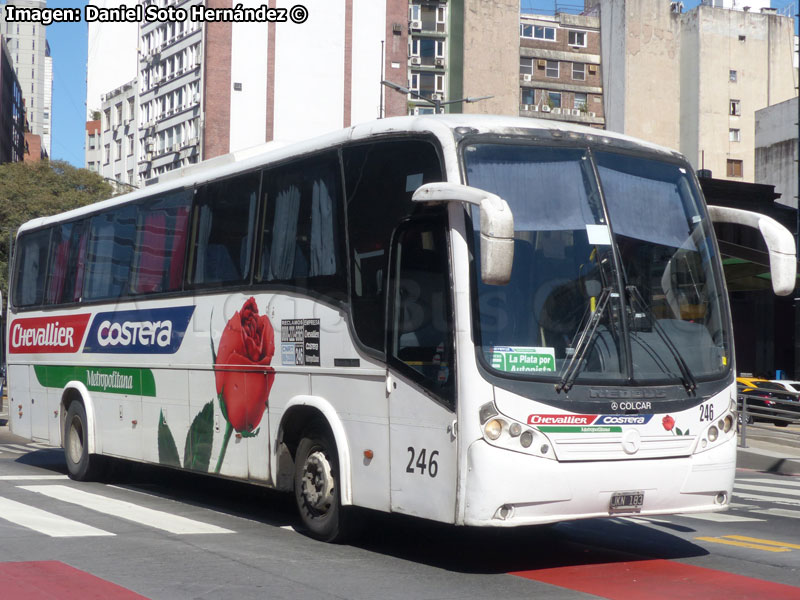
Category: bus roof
<point>442,126</point>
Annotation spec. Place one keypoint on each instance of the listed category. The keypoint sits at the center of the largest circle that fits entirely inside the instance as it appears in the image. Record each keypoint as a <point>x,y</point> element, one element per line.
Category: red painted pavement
<point>660,580</point>
<point>53,580</point>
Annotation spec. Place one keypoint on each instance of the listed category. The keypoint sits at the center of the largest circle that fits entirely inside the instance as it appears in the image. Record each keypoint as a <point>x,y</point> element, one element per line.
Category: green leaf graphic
<point>211,338</point>
<point>678,431</point>
<point>167,450</point>
<point>197,453</point>
<point>250,434</point>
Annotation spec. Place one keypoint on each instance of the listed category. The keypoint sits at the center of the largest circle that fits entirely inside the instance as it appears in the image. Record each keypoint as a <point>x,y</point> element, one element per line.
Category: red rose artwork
<point>668,423</point>
<point>243,375</point>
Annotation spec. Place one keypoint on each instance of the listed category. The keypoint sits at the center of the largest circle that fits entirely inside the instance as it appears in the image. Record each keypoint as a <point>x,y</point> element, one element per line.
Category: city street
<point>159,534</point>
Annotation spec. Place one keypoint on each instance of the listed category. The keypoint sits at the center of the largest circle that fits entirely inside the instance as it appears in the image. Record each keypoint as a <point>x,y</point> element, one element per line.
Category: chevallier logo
<point>561,419</point>
<point>62,334</point>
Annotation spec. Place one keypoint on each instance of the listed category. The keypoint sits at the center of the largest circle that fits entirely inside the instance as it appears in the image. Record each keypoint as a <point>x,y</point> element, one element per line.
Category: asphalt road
<point>160,534</point>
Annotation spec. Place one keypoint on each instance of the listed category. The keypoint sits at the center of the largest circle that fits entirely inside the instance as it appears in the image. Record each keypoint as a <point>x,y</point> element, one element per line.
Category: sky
<point>68,47</point>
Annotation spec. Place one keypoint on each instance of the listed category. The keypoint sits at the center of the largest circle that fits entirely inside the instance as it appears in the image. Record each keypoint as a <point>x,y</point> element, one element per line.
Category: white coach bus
<point>483,321</point>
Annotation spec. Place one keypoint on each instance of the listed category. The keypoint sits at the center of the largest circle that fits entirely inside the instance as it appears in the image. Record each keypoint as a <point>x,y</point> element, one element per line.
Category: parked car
<point>789,385</point>
<point>761,397</point>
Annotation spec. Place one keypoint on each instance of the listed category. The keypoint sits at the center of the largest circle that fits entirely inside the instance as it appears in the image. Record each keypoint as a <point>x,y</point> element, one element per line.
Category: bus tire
<point>81,466</point>
<point>317,488</point>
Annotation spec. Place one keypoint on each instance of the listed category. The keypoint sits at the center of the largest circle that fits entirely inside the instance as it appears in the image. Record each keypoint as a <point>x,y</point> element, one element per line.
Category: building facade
<point>714,68</point>
<point>119,140</point>
<point>12,110</point>
<point>30,54</point>
<point>776,139</point>
<point>559,68</point>
<point>94,144</point>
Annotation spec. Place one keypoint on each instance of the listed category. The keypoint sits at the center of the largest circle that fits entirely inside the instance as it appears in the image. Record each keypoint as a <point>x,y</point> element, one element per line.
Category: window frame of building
<point>107,154</point>
<point>734,135</point>
<point>579,71</point>
<point>578,104</point>
<point>733,76</point>
<point>526,94</point>
<point>735,107</point>
<point>554,99</point>
<point>526,69</point>
<point>576,38</point>
<point>735,168</point>
<point>549,68</point>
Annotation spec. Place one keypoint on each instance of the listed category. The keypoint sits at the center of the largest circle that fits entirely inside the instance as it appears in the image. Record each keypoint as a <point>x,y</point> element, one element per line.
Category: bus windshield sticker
<point>413,181</point>
<point>521,359</point>
<point>598,235</point>
<point>300,342</point>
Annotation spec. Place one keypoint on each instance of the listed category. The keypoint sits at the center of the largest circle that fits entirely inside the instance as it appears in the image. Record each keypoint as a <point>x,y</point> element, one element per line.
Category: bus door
<point>420,380</point>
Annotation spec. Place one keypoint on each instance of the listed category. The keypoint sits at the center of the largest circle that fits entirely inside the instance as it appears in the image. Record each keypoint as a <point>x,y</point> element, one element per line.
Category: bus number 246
<point>422,465</point>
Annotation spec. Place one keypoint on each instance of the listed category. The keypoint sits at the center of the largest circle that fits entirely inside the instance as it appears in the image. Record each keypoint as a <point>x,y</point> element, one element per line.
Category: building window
<point>734,168</point>
<point>577,38</point>
<point>118,149</point>
<point>107,119</point>
<point>107,153</point>
<point>580,101</point>
<point>735,108</point>
<point>733,76</point>
<point>130,145</point>
<point>734,135</point>
<point>579,71</point>
<point>525,66</point>
<point>551,68</point>
<point>528,96</point>
<point>553,99</point>
<point>92,144</point>
<point>537,32</point>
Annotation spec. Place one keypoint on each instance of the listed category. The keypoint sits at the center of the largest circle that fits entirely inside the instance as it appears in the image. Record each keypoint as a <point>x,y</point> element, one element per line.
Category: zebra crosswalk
<point>18,449</point>
<point>38,501</point>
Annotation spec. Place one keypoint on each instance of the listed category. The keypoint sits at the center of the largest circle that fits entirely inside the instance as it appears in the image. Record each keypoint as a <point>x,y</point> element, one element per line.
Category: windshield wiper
<point>584,341</point>
<point>688,380</point>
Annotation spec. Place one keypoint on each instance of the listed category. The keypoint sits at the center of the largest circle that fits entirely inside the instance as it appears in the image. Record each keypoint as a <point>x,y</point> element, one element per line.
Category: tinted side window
<point>379,180</point>
<point>161,246</point>
<point>302,240</point>
<point>33,251</point>
<point>63,278</point>
<point>223,231</point>
<point>110,249</point>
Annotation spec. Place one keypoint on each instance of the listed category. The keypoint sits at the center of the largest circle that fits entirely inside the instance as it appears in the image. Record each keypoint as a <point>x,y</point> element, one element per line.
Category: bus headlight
<point>526,439</point>
<point>713,432</point>
<point>514,429</point>
<point>727,423</point>
<point>493,428</point>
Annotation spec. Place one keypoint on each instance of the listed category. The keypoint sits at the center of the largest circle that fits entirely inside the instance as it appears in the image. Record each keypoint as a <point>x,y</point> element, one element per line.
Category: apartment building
<point>119,140</point>
<point>559,68</point>
<point>12,110</point>
<point>427,54</point>
<point>694,80</point>
<point>93,143</point>
<point>30,55</point>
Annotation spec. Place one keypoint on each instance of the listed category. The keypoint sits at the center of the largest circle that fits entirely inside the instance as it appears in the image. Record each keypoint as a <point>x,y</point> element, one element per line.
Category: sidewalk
<point>771,450</point>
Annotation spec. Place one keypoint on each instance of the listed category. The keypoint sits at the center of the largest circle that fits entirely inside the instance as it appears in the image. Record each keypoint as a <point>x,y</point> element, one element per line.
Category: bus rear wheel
<point>317,488</point>
<point>81,465</point>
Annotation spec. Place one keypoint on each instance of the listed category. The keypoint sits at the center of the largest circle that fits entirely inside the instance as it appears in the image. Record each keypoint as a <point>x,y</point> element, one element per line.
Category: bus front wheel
<point>317,488</point>
<point>81,465</point>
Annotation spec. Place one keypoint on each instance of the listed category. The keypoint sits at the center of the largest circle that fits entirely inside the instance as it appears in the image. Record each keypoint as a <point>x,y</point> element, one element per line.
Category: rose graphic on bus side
<point>245,352</point>
<point>243,375</point>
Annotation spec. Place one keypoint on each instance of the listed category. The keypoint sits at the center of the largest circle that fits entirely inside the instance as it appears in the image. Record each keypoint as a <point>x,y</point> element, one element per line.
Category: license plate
<point>626,502</point>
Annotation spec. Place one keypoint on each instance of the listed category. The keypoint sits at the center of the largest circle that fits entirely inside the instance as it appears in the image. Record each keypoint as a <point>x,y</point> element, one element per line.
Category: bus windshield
<point>613,279</point>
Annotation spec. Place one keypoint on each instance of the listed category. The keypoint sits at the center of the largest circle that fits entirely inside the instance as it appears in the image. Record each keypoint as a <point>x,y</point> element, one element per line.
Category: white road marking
<point>31,477</point>
<point>782,512</point>
<point>45,522</point>
<point>764,488</point>
<point>18,447</point>
<point>43,446</point>
<point>772,482</point>
<point>718,517</point>
<point>126,510</point>
<point>760,498</point>
<point>12,450</point>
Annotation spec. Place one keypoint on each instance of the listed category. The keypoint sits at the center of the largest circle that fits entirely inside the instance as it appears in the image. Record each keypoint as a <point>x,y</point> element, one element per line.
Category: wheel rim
<point>317,483</point>
<point>75,442</point>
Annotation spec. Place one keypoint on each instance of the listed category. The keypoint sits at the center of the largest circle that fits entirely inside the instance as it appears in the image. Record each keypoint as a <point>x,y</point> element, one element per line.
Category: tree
<point>40,189</point>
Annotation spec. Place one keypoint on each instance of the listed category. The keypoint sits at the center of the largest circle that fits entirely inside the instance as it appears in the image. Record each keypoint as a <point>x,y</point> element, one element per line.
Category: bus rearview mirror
<point>497,225</point>
<point>780,243</point>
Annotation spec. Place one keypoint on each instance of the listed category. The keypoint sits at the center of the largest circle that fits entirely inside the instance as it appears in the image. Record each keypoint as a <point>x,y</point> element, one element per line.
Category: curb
<point>769,462</point>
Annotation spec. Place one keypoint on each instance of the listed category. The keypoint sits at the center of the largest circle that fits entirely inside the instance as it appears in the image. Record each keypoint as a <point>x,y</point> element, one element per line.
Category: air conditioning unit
<point>436,96</point>
<point>415,60</point>
<point>591,114</point>
<point>196,97</point>
<point>541,63</point>
<point>525,106</point>
<point>439,62</point>
<point>592,69</point>
<point>526,77</point>
<point>545,108</point>
<point>576,112</point>
<point>149,146</point>
<point>534,108</point>
<point>556,111</point>
<point>415,25</point>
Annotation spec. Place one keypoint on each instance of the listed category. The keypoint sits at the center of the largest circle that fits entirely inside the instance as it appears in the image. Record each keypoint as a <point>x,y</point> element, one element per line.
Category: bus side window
<point>379,180</point>
<point>32,254</point>
<point>421,336</point>
<point>109,252</point>
<point>302,241</point>
<point>223,231</point>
